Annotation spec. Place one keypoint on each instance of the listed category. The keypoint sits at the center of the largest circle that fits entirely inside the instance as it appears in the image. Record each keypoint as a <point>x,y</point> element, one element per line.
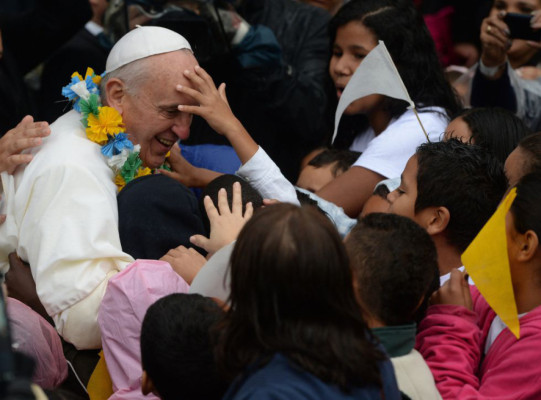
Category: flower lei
<point>104,126</point>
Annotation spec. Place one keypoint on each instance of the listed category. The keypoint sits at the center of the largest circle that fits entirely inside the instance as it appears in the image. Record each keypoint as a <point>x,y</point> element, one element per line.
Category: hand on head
<point>25,135</point>
<point>225,222</point>
<point>213,104</point>
<point>456,291</point>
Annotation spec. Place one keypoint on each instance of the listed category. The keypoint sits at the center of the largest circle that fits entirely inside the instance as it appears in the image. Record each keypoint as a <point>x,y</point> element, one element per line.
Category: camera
<point>520,28</point>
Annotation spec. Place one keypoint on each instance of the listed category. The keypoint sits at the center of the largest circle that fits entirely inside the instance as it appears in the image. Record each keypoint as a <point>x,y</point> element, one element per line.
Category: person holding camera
<point>507,75</point>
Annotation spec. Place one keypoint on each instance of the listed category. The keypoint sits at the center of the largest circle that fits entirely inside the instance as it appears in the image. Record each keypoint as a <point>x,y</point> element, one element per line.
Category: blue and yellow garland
<point>104,126</point>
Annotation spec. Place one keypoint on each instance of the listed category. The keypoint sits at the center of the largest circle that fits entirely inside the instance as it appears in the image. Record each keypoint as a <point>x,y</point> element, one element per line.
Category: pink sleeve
<point>128,296</point>
<point>450,342</point>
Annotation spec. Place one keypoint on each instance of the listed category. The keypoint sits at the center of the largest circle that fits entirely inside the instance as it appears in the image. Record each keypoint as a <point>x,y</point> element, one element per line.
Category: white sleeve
<point>68,233</point>
<point>265,177</point>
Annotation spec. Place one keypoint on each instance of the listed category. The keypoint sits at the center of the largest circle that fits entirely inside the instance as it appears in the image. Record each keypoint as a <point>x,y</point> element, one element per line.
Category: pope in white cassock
<point>61,209</point>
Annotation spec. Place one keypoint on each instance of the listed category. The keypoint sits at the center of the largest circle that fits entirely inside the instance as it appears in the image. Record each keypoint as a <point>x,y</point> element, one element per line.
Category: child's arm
<point>257,167</point>
<point>449,338</point>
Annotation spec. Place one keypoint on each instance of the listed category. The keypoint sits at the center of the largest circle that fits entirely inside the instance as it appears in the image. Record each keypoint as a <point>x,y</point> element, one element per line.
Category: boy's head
<point>176,351</point>
<point>324,167</point>
<point>450,188</point>
<point>395,265</point>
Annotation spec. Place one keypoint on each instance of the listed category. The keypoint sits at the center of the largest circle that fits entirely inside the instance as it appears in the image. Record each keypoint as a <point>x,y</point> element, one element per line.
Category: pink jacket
<point>128,296</point>
<point>452,338</point>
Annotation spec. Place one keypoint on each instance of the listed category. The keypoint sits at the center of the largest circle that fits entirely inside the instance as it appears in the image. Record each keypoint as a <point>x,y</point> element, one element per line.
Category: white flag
<point>375,74</point>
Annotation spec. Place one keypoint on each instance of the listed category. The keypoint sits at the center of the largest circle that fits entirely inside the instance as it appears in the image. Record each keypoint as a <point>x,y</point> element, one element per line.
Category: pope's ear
<point>115,94</point>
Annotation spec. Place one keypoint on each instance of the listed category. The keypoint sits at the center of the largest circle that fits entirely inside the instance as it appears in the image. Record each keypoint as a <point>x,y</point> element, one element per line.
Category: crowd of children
<point>351,284</point>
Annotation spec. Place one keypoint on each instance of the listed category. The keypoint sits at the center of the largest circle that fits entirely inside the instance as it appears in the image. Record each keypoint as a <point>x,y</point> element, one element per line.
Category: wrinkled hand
<point>185,262</point>
<point>213,104</point>
<point>495,40</point>
<point>225,223</point>
<point>25,135</point>
<point>455,291</point>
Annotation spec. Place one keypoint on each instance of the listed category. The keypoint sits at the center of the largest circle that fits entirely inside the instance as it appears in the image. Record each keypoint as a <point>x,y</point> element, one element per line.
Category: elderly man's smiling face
<point>150,112</point>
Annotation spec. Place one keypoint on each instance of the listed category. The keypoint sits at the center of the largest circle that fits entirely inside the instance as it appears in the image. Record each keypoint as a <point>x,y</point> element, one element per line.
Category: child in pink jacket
<point>470,351</point>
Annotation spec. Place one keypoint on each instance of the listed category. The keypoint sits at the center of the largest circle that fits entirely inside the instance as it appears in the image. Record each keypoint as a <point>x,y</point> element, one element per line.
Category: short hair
<point>395,264</point>
<point>381,191</point>
<point>496,129</point>
<point>531,146</point>
<point>176,349</point>
<point>342,160</point>
<point>526,208</point>
<point>226,181</point>
<point>292,292</point>
<point>133,74</point>
<point>466,179</point>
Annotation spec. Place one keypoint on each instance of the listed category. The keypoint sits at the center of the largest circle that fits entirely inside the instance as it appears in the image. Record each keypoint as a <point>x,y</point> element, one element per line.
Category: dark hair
<point>411,47</point>
<point>464,178</point>
<point>496,129</point>
<point>531,146</point>
<point>526,208</point>
<point>249,194</point>
<point>292,293</point>
<point>343,160</point>
<point>176,350</point>
<point>381,191</point>
<point>395,264</point>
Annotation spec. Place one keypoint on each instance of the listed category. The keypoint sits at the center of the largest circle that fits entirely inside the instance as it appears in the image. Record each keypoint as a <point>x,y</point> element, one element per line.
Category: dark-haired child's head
<point>292,292</point>
<point>450,188</point>
<point>495,129</point>
<point>526,158</point>
<point>249,194</point>
<point>356,29</point>
<point>395,265</point>
<point>523,231</point>
<point>324,167</point>
<point>176,351</point>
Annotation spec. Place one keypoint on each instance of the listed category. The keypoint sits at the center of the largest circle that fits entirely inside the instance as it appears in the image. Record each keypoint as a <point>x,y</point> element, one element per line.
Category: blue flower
<point>119,142</point>
<point>72,95</point>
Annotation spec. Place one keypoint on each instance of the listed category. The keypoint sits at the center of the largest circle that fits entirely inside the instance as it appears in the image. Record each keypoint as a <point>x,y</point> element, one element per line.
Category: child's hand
<point>185,262</point>
<point>181,170</point>
<point>455,291</point>
<point>225,223</point>
<point>213,104</point>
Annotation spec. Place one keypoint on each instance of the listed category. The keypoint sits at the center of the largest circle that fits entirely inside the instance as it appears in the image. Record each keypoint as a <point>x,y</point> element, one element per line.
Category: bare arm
<point>351,189</point>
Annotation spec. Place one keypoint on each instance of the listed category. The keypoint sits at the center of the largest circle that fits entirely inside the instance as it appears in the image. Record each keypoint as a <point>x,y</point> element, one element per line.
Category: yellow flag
<point>487,263</point>
<point>100,386</point>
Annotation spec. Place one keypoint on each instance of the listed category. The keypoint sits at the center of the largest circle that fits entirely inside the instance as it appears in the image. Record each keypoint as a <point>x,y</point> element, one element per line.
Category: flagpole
<point>420,123</point>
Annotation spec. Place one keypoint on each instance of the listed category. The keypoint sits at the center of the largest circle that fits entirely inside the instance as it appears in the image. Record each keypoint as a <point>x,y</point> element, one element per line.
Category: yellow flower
<point>108,122</point>
<point>120,182</point>
<point>142,172</point>
<point>78,75</point>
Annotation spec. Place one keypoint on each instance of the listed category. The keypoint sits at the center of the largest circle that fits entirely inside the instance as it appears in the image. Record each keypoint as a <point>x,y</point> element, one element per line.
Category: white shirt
<point>62,217</point>
<point>388,152</point>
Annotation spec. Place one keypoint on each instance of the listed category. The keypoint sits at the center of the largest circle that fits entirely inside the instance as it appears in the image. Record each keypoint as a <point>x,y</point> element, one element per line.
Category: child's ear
<point>528,243</point>
<point>436,219</point>
<point>147,386</point>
